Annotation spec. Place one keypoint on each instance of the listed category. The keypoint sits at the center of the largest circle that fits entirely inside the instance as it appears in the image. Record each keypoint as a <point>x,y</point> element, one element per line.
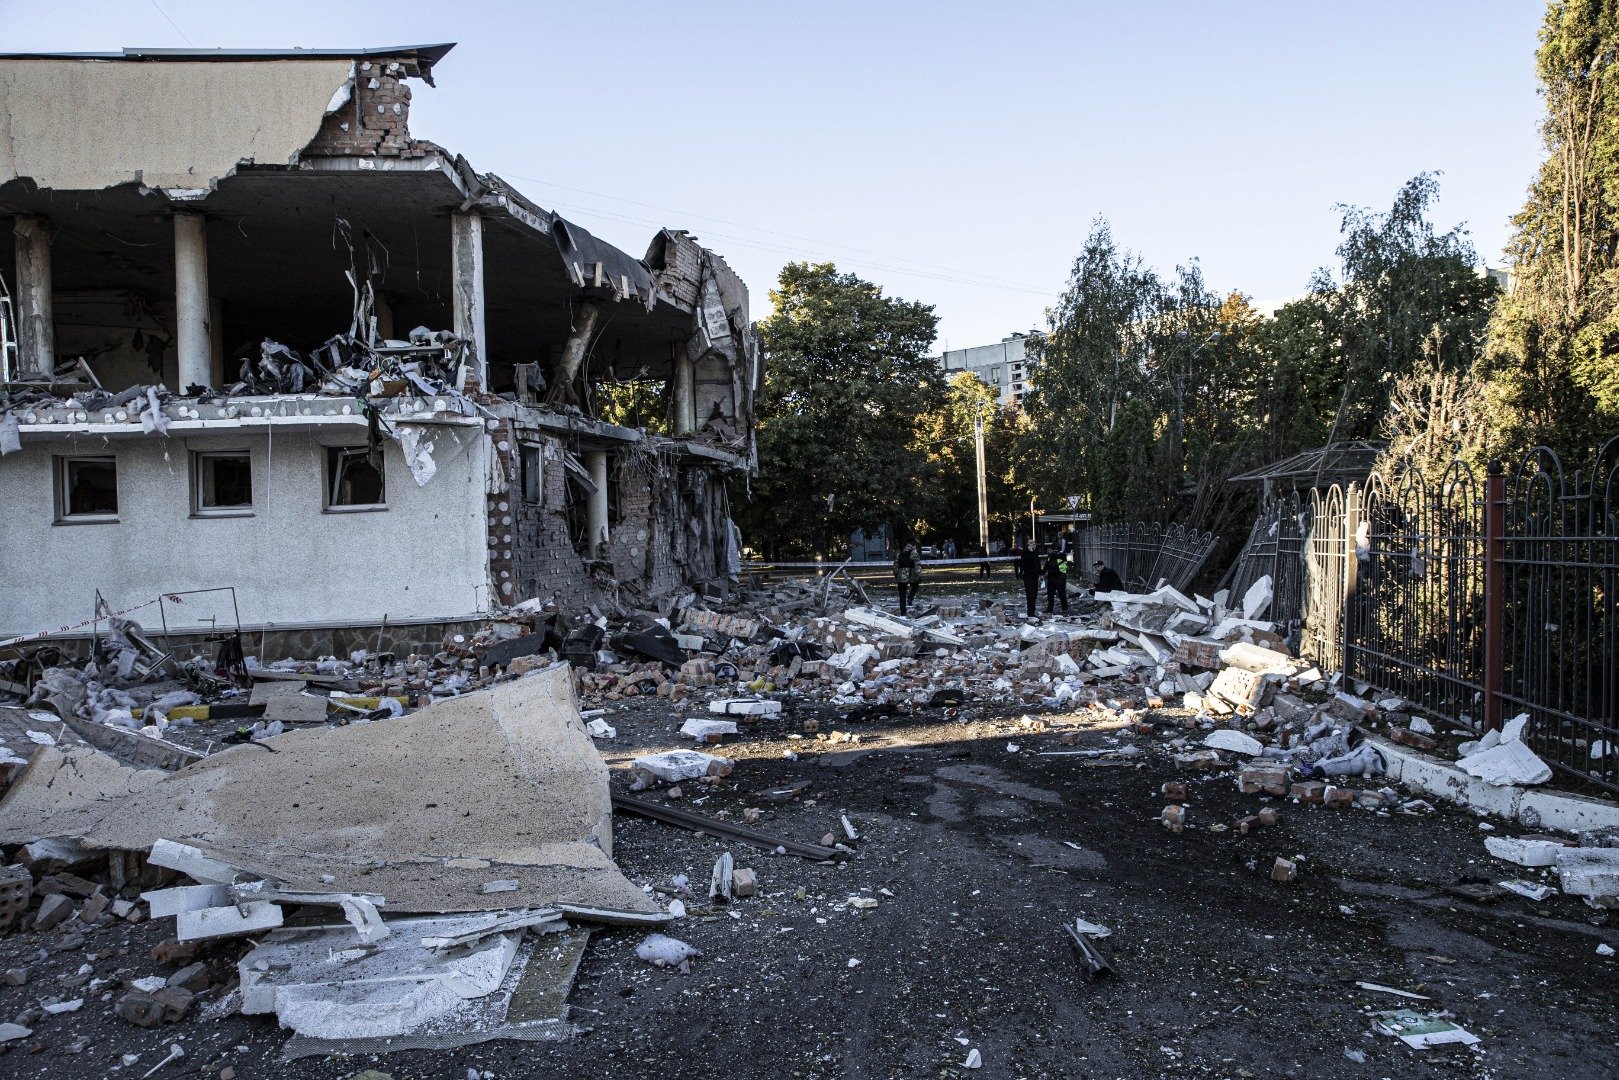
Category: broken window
<point>353,481</point>
<point>86,489</point>
<point>533,490</point>
<point>221,483</point>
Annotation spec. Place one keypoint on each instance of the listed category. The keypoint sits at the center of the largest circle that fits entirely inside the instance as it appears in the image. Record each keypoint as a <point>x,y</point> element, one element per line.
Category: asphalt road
<point>975,855</point>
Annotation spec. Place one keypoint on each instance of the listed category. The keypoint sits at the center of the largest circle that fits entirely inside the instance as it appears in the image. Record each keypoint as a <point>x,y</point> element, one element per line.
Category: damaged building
<point>257,335</point>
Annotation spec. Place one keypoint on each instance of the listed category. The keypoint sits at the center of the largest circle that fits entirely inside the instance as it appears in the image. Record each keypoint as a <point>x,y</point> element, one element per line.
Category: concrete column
<point>685,396</point>
<point>596,463</point>
<point>466,272</point>
<point>194,338</point>
<point>36,330</point>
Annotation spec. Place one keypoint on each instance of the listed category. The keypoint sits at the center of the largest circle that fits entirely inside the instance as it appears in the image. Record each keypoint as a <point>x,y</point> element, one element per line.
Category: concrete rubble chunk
<point>674,766</point>
<point>1256,601</point>
<point>1241,688</point>
<point>1524,852</point>
<point>745,707</point>
<point>53,911</point>
<point>233,921</point>
<point>375,801</point>
<point>708,731</point>
<point>1257,659</point>
<point>1591,873</point>
<point>193,863</point>
<point>163,903</point>
<point>1507,764</point>
<point>1234,741</point>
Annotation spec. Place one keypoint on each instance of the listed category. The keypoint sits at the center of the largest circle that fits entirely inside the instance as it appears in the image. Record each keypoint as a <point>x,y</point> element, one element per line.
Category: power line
<point>172,23</point>
<point>957,275</point>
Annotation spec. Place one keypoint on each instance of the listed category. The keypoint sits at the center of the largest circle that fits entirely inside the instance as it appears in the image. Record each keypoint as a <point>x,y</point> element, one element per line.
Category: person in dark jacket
<point>1056,582</point>
<point>907,575</point>
<point>1027,568</point>
<point>1106,579</point>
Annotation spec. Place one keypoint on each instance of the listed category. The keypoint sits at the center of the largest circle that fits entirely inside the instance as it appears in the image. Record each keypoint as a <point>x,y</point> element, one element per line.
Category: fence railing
<point>1143,555</point>
<point>1477,597</point>
<point>1275,549</point>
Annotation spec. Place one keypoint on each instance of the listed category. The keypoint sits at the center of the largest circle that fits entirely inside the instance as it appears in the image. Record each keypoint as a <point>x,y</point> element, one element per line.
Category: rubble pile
<point>343,915</point>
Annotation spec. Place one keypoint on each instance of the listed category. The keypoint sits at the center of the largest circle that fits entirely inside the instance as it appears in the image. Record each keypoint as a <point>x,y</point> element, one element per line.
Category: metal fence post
<point>1352,514</point>
<point>1495,593</point>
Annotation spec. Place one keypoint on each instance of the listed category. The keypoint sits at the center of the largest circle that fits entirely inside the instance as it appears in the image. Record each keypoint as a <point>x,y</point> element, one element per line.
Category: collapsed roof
<point>276,149</point>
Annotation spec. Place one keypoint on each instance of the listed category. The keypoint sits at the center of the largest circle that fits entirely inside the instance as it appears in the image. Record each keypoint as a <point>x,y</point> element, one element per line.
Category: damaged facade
<point>258,335</point>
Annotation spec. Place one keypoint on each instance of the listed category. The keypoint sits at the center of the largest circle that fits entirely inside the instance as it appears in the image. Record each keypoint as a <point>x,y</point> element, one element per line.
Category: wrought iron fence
<point>1144,555</point>
<point>1476,597</point>
<point>1560,592</point>
<point>1275,548</point>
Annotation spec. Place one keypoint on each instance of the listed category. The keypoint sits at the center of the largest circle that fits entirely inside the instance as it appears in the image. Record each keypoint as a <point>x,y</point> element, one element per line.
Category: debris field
<point>790,830</point>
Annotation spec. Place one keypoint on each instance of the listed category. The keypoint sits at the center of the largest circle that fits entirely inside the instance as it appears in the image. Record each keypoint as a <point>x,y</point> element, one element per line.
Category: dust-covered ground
<point>975,853</point>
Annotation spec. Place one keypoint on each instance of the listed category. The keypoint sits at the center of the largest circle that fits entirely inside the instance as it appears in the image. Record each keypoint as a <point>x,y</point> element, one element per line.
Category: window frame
<point>198,510</point>
<point>330,481</point>
<point>60,472</point>
<point>525,453</point>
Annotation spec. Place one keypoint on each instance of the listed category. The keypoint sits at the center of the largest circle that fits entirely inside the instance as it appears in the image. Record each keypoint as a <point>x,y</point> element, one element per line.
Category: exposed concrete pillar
<point>685,396</point>
<point>466,273</point>
<point>574,350</point>
<point>596,521</point>
<point>36,332</point>
<point>194,338</point>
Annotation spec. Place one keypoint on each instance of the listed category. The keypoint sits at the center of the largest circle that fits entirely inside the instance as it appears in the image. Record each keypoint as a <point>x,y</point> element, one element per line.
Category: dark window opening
<point>86,488</point>
<point>533,491</point>
<point>352,480</point>
<point>223,482</point>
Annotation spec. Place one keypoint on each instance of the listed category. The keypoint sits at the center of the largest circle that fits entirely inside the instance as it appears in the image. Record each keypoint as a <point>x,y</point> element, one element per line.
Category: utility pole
<point>983,488</point>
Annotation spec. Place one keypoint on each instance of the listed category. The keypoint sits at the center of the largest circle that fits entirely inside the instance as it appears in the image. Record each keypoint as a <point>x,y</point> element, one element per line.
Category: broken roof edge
<point>427,55</point>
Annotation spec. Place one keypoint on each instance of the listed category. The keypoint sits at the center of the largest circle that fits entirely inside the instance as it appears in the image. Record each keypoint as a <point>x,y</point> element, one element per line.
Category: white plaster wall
<point>78,125</point>
<point>291,563</point>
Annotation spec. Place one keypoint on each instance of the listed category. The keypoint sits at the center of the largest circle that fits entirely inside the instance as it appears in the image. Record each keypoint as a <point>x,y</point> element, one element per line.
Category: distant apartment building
<point>1001,365</point>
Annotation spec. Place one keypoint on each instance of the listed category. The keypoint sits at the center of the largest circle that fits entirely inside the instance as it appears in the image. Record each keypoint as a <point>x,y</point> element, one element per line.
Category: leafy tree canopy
<point>847,381</point>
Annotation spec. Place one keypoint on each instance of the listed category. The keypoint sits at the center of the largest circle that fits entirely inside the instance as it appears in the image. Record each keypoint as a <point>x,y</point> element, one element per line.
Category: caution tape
<point>36,636</point>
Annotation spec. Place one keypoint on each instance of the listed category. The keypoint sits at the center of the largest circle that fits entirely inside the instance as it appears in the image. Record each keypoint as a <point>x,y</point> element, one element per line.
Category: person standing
<point>907,575</point>
<point>1027,568</point>
<point>983,567</point>
<point>1056,582</point>
<point>950,549</point>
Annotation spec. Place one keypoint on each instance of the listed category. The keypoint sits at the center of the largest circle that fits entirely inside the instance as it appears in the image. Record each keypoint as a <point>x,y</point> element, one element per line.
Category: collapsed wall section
<point>668,523</point>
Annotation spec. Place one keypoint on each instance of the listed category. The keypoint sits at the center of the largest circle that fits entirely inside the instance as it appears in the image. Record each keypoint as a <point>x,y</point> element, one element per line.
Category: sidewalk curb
<point>1446,780</point>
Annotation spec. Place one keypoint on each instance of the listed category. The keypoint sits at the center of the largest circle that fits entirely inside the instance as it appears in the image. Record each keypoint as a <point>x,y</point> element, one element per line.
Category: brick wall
<point>375,122</point>
<point>669,520</point>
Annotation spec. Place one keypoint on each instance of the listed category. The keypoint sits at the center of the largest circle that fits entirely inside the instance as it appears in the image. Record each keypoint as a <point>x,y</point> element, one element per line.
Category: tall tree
<point>847,380</point>
<point>1087,367</point>
<point>1552,374</point>
<point>1407,292</point>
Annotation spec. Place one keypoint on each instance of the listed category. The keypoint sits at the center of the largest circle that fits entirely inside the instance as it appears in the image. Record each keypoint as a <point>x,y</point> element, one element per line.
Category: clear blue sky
<point>965,147</point>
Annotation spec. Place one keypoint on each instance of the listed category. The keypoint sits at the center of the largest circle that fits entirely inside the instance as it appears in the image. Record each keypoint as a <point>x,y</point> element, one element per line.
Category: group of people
<point>1031,566</point>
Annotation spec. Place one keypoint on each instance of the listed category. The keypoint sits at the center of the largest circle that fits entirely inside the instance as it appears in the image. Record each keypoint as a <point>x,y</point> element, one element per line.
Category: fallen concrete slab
<point>422,809</point>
